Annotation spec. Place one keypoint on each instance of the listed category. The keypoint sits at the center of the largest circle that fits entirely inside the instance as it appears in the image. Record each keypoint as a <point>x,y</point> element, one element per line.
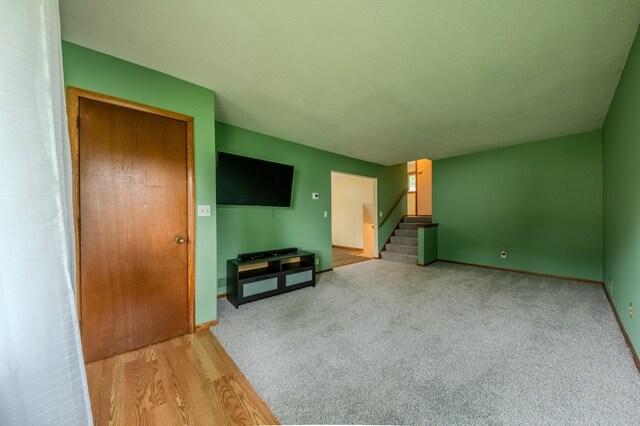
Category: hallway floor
<point>346,256</point>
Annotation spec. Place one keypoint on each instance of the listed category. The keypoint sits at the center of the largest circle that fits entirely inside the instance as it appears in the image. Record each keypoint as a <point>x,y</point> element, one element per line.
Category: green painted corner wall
<point>540,201</point>
<point>303,225</point>
<point>427,245</point>
<point>621,152</point>
<point>95,71</point>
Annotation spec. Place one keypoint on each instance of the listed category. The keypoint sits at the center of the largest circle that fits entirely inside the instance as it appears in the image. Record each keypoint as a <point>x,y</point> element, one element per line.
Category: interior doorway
<point>134,210</point>
<point>419,188</point>
<point>354,228</point>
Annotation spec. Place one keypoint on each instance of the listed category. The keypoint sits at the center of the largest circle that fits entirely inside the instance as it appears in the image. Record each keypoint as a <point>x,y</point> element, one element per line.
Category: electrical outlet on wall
<point>204,210</point>
<point>503,254</point>
<point>630,310</point>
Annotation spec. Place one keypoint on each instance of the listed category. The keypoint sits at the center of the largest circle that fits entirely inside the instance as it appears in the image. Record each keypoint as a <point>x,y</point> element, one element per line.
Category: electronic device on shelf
<point>264,254</point>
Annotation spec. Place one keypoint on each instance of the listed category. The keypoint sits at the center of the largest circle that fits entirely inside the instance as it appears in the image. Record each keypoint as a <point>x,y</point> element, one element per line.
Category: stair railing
<point>402,194</point>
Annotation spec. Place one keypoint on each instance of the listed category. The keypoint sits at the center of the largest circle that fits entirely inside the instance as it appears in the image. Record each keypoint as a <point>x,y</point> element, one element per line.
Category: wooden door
<point>133,210</point>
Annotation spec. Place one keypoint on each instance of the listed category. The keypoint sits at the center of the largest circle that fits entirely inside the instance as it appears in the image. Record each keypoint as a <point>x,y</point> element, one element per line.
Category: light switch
<point>204,210</point>
<point>325,213</point>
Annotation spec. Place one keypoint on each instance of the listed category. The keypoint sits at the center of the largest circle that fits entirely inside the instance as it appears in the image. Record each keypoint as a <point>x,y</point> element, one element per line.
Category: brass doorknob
<point>180,240</point>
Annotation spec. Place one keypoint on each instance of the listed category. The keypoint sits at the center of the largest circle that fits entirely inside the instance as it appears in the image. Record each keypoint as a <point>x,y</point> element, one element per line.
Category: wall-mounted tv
<point>252,182</point>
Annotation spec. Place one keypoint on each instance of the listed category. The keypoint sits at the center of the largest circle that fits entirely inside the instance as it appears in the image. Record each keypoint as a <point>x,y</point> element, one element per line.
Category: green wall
<point>540,201</point>
<point>427,245</point>
<point>248,228</point>
<point>621,150</point>
<point>91,70</point>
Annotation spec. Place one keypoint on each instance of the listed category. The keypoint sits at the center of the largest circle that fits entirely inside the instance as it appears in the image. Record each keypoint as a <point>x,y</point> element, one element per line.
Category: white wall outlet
<point>315,196</point>
<point>503,254</point>
<point>204,210</point>
<point>630,310</point>
<point>317,260</point>
<point>380,214</point>
<point>325,213</point>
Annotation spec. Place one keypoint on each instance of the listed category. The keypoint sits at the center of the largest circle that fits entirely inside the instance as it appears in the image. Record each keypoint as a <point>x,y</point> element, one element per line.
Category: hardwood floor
<point>188,380</point>
<point>346,256</point>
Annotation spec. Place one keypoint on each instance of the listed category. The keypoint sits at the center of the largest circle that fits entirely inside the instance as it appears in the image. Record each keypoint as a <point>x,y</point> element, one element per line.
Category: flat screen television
<point>252,182</point>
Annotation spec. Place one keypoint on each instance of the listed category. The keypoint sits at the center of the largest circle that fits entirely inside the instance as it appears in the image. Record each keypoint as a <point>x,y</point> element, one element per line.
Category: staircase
<point>404,241</point>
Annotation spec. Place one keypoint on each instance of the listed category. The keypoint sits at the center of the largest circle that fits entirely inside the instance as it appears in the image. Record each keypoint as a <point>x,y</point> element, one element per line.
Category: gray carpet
<point>385,343</point>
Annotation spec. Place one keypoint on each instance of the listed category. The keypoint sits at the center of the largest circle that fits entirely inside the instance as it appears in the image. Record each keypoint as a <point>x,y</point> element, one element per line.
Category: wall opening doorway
<point>354,228</point>
<point>419,188</point>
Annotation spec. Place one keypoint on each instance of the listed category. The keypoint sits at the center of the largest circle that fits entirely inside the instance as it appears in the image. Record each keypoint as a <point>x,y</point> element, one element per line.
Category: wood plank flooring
<point>346,256</point>
<point>188,380</point>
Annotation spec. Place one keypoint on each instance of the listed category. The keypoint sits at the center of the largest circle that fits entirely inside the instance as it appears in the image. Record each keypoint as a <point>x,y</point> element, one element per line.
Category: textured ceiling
<point>384,81</point>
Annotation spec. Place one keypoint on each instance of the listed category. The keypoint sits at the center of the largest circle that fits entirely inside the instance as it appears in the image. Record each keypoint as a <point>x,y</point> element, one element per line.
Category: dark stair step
<point>400,248</point>
<point>410,233</point>
<point>400,257</point>
<point>417,219</point>
<point>405,241</point>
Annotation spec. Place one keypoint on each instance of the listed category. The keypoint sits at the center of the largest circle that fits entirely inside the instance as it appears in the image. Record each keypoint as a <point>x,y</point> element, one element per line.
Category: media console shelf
<point>250,280</point>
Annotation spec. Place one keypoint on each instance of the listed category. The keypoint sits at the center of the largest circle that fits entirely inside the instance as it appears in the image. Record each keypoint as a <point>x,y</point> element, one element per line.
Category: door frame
<point>73,102</point>
<point>375,219</point>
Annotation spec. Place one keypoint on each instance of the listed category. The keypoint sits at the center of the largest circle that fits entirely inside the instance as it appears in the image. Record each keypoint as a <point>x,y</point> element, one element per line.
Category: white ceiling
<point>383,81</point>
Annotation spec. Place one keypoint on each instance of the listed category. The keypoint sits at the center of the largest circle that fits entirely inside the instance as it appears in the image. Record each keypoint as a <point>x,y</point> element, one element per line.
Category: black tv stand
<point>259,277</point>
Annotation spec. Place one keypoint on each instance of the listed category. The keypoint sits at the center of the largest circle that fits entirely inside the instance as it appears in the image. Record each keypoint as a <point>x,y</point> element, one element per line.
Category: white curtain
<point>42,376</point>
